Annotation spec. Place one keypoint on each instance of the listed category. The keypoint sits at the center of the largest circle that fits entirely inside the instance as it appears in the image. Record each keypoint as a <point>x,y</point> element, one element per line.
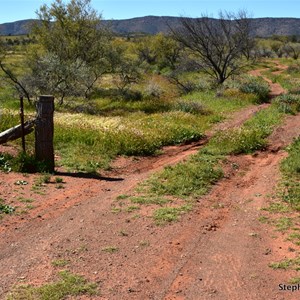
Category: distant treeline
<point>17,40</point>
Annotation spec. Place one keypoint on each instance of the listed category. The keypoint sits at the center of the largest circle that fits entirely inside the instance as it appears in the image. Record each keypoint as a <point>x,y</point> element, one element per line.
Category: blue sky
<point>13,10</point>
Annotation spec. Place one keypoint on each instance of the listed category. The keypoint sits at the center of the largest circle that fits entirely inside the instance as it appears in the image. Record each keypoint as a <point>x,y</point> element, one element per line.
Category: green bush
<point>256,86</point>
<point>288,103</point>
<point>294,68</point>
<point>192,107</point>
<point>27,163</point>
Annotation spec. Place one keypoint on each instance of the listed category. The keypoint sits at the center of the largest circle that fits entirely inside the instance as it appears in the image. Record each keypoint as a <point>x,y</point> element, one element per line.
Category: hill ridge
<point>263,27</point>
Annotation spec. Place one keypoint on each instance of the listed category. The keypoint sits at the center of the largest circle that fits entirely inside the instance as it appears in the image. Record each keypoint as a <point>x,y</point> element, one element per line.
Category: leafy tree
<point>74,48</point>
<point>219,44</point>
<point>168,51</point>
<point>159,50</point>
<point>125,67</point>
<point>146,50</point>
<point>278,47</point>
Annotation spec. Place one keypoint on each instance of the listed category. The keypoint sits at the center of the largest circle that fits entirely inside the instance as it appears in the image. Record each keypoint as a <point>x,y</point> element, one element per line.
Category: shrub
<point>256,86</point>
<point>288,103</point>
<point>153,90</point>
<point>192,107</point>
<point>27,163</point>
<point>5,163</point>
<point>295,68</point>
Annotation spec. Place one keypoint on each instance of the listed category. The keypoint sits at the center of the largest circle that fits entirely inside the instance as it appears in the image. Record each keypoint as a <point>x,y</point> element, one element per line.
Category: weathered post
<point>22,123</point>
<point>44,131</point>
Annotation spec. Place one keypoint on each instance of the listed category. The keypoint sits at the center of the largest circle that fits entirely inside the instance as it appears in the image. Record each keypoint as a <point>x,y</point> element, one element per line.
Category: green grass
<point>139,134</point>
<point>60,263</point>
<point>294,280</point>
<point>249,137</point>
<point>291,165</point>
<point>287,264</point>
<point>284,223</point>
<point>193,177</point>
<point>110,249</point>
<point>289,192</point>
<point>277,207</point>
<point>132,208</point>
<point>290,168</point>
<point>67,285</point>
<point>148,200</point>
<point>165,215</point>
<point>295,238</point>
<point>221,105</point>
<point>5,208</point>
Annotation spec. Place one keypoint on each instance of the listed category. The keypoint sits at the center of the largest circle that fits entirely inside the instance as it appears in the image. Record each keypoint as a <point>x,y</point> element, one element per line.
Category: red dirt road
<point>220,250</point>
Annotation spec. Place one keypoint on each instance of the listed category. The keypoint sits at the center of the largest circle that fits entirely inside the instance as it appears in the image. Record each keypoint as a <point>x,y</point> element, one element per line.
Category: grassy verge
<point>95,141</point>
<point>284,212</point>
<point>290,169</point>
<point>249,137</point>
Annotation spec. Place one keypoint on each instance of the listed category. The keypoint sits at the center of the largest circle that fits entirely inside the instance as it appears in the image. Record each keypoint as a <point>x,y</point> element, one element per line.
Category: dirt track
<point>218,251</point>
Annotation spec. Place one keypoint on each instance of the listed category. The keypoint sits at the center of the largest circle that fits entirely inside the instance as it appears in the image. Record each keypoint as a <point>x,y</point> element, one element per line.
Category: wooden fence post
<point>44,131</point>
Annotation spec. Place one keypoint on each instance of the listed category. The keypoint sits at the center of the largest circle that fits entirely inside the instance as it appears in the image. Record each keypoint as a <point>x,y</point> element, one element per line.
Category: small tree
<point>75,46</point>
<point>278,48</point>
<point>146,51</point>
<point>168,51</point>
<point>219,44</point>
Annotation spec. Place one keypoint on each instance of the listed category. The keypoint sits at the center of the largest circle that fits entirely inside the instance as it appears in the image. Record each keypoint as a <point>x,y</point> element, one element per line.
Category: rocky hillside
<point>151,25</point>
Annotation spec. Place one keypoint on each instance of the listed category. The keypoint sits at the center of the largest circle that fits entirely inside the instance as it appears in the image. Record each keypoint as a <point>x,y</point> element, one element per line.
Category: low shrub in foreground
<point>259,87</point>
<point>288,103</point>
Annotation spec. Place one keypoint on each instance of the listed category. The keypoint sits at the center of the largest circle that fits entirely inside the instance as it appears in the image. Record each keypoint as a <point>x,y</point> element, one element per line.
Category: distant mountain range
<point>262,27</point>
